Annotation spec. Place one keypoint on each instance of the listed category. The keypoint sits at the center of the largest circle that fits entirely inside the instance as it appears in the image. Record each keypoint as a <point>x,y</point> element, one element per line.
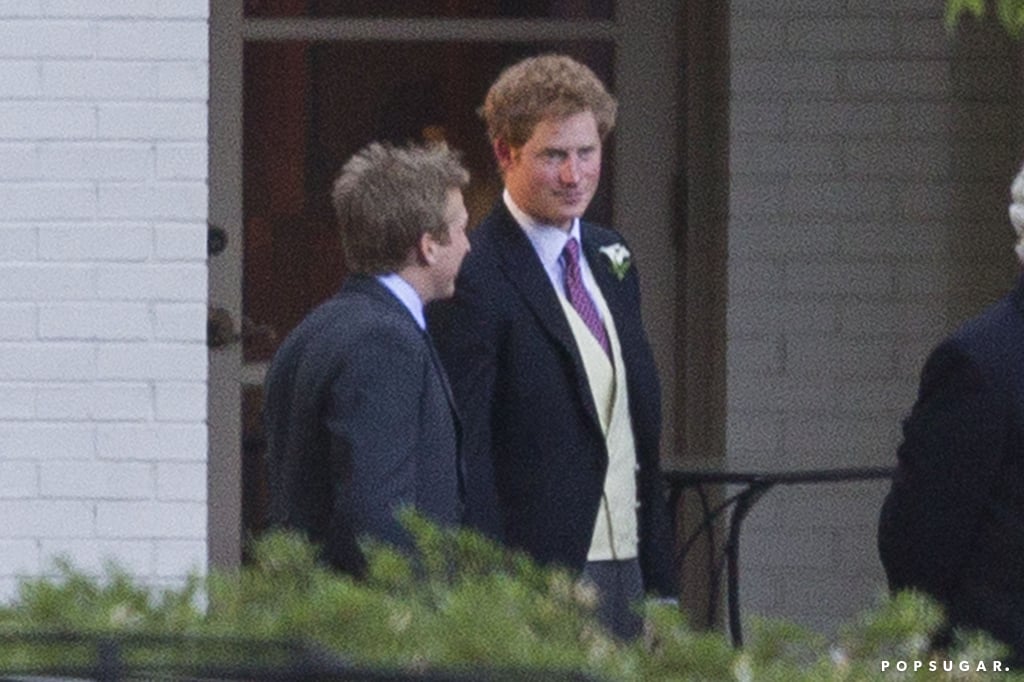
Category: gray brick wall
<point>103,285</point>
<point>871,154</point>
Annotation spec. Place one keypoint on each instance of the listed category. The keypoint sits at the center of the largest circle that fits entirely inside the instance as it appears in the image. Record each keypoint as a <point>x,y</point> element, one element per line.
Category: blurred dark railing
<point>730,510</point>
<point>67,657</point>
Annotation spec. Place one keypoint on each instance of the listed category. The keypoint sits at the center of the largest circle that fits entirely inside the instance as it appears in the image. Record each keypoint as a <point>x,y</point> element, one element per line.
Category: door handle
<point>221,331</point>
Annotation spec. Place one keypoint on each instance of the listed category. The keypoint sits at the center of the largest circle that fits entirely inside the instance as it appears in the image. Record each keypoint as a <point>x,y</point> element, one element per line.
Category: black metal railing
<point>730,511</point>
<point>53,656</point>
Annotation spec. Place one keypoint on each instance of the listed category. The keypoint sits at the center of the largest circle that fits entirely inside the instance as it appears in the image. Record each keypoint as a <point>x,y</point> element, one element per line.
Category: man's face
<point>448,257</point>
<point>554,175</point>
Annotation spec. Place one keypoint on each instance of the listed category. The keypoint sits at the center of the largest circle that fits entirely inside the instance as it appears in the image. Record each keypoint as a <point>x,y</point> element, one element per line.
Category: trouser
<point>620,589</point>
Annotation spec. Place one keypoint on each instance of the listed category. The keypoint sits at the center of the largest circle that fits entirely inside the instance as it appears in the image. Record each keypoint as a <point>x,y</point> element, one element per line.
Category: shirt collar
<point>548,241</point>
<point>404,292</point>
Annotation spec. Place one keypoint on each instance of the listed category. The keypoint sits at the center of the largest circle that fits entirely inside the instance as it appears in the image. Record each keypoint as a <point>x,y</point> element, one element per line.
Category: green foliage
<point>462,604</point>
<point>1010,13</point>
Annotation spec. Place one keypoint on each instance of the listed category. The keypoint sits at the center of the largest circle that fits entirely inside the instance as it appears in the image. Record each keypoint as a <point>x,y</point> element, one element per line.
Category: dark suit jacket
<point>953,522</point>
<point>360,421</point>
<point>535,453</point>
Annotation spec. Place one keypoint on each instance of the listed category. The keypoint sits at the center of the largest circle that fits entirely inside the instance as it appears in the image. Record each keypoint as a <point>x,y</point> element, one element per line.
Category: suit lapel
<point>522,266</point>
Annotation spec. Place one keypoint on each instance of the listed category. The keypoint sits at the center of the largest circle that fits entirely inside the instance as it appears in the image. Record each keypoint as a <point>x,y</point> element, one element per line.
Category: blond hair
<point>547,86</point>
<point>1017,212</point>
<point>387,197</point>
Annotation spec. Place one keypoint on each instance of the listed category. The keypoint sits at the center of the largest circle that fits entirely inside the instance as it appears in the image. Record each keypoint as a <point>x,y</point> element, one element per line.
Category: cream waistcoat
<point>615,533</point>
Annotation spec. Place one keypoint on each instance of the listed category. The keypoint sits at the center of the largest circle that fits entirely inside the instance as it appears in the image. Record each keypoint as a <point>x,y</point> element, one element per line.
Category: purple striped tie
<point>579,297</point>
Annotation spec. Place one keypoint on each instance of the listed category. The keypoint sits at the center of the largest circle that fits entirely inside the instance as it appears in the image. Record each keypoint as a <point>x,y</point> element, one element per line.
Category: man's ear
<point>426,249</point>
<point>502,152</point>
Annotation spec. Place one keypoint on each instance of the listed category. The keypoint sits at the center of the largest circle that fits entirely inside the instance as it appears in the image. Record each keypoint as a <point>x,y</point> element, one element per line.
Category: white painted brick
<point>788,157</point>
<point>9,590</point>
<point>18,479</point>
<point>750,315</point>
<point>983,79</point>
<point>180,322</point>
<point>755,356</point>
<point>925,38</point>
<point>32,121</point>
<point>19,79</point>
<point>841,36</point>
<point>95,241</point>
<point>46,518</point>
<point>21,8</point>
<point>184,80</point>
<point>18,162</point>
<point>752,432</point>
<point>180,401</point>
<point>818,356</point>
<point>163,282</point>
<point>164,520</point>
<point>19,558</point>
<point>164,200</point>
<point>757,117</point>
<point>180,557</point>
<point>46,441</point>
<point>891,318</point>
<point>181,161</point>
<point>751,393</point>
<point>838,199</point>
<point>94,401</point>
<point>143,361</point>
<point>897,159</point>
<point>151,39</point>
<point>898,79</point>
<point>25,38</point>
<point>784,77</point>
<point>164,442</point>
<point>198,9</point>
<point>753,196</point>
<point>93,556</point>
<point>181,241</point>
<point>20,322</point>
<point>751,238</point>
<point>47,361</point>
<point>839,278</point>
<point>793,548</point>
<point>818,118</point>
<point>99,80</point>
<point>181,481</point>
<point>873,397</point>
<point>896,8</point>
<point>759,37</point>
<point>47,202</point>
<point>830,440</point>
<point>97,480</point>
<point>763,276</point>
<point>46,282</point>
<point>152,121</point>
<point>905,240</point>
<point>785,8</point>
<point>96,162</point>
<point>17,401</point>
<point>830,506</point>
<point>94,10</point>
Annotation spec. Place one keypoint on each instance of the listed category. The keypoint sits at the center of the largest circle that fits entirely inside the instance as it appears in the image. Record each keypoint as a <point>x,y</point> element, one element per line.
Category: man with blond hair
<point>549,360</point>
<point>359,414</point>
<point>951,525</point>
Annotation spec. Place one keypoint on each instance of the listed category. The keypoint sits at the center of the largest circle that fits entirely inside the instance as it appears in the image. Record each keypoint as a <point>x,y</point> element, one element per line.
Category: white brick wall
<point>103,285</point>
<point>870,159</point>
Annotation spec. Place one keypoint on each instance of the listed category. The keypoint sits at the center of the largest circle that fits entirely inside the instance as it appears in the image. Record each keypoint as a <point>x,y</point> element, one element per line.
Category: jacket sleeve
<point>373,416</point>
<point>948,464</point>
<point>467,336</point>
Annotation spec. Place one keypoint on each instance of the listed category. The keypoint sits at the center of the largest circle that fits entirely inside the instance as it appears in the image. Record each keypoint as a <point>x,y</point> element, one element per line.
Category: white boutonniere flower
<point>618,259</point>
